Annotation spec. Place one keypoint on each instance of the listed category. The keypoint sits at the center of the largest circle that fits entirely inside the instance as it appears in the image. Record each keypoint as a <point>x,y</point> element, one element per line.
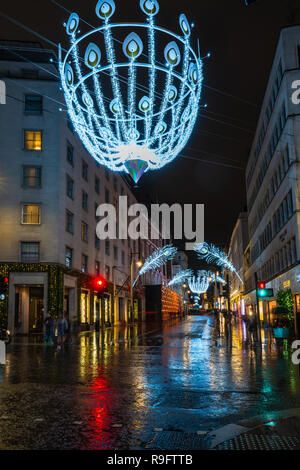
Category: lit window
<point>84,264</point>
<point>33,140</point>
<point>69,257</point>
<point>31,214</point>
<point>30,252</point>
<point>33,104</point>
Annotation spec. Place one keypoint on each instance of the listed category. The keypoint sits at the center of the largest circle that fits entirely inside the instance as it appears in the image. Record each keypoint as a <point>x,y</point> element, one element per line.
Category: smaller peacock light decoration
<point>132,89</point>
<point>214,255</point>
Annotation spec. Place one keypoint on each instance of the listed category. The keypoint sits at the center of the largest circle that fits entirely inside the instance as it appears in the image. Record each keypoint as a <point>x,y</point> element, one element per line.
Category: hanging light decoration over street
<point>132,89</point>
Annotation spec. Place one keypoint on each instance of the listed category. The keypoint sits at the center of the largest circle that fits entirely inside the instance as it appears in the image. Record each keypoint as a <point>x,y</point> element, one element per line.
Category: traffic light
<point>262,291</point>
<point>99,285</point>
<point>3,287</point>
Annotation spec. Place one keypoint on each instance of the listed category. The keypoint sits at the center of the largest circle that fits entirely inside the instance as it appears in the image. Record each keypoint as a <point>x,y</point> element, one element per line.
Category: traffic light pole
<point>257,308</point>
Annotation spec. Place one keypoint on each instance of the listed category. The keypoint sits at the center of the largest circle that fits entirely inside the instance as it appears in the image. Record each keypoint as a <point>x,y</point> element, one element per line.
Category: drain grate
<point>260,442</point>
<point>175,440</point>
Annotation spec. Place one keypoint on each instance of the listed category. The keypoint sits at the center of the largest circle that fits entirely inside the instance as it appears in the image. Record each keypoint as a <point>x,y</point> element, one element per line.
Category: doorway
<point>36,310</point>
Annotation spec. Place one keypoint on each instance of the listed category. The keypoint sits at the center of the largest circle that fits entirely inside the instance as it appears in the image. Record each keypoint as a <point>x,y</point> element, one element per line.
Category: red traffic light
<point>261,285</point>
<point>99,284</point>
<point>6,280</point>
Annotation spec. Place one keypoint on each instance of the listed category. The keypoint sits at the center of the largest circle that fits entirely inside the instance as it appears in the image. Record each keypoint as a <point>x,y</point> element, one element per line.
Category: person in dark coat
<point>49,330</point>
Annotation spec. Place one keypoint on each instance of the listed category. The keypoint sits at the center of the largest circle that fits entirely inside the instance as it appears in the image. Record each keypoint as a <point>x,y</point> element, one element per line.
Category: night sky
<point>242,41</point>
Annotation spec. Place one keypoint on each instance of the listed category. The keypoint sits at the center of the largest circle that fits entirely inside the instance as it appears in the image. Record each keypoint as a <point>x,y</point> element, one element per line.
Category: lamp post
<point>139,264</point>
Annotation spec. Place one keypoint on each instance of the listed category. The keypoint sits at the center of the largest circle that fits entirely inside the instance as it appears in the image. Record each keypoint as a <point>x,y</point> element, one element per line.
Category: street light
<point>139,264</point>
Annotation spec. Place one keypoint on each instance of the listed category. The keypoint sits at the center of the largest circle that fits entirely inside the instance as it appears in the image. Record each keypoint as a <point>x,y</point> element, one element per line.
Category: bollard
<point>2,353</point>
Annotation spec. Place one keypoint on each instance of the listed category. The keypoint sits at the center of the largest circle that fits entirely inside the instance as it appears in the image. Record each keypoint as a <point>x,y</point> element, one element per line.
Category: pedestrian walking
<point>49,329</point>
<point>60,324</point>
<point>67,329</point>
<point>252,327</point>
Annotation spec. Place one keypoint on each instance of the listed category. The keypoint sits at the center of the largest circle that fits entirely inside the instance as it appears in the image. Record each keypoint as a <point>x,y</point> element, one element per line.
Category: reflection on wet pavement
<point>113,389</point>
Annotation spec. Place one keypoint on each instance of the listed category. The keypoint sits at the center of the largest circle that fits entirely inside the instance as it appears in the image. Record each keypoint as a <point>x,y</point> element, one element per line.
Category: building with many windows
<point>272,178</point>
<point>238,243</point>
<point>50,189</point>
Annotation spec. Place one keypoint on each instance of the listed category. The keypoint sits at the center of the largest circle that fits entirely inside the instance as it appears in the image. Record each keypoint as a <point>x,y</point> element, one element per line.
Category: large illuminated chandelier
<point>132,89</point>
<point>200,283</point>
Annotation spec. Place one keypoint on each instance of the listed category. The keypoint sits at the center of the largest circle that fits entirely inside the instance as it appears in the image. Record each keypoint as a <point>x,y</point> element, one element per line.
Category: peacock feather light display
<point>132,90</point>
<point>212,254</point>
<point>180,277</point>
<point>158,258</point>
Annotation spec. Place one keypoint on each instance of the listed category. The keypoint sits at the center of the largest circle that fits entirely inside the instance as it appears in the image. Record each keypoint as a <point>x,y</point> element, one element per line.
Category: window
<point>84,263</point>
<point>97,185</point>
<point>107,272</point>
<point>97,268</point>
<point>106,196</point>
<point>97,242</point>
<point>32,176</point>
<point>290,203</point>
<point>294,250</point>
<point>69,222</point>
<point>97,217</point>
<point>85,200</point>
<point>123,257</point>
<point>70,153</point>
<point>107,247</point>
<point>106,174</point>
<point>70,187</point>
<point>85,170</point>
<point>30,252</point>
<point>84,232</point>
<point>33,140</point>
<point>31,214</point>
<point>116,253</point>
<point>69,257</point>
<point>33,104</point>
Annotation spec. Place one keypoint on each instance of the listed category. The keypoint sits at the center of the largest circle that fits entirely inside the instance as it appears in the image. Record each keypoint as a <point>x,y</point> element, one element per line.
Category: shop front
<point>27,303</point>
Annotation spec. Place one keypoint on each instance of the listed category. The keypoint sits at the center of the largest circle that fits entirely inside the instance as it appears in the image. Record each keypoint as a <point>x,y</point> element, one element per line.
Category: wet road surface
<point>118,389</point>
